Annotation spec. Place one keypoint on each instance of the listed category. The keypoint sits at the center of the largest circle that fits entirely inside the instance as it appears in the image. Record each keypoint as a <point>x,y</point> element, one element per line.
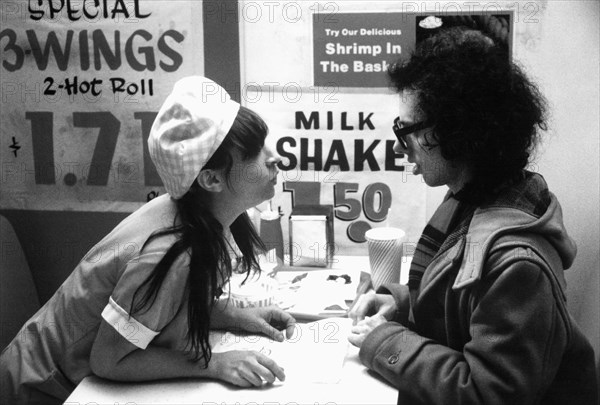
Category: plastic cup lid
<point>387,233</point>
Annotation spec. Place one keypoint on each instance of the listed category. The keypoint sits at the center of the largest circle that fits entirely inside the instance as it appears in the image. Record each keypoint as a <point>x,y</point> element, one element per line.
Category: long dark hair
<point>484,110</point>
<point>200,235</point>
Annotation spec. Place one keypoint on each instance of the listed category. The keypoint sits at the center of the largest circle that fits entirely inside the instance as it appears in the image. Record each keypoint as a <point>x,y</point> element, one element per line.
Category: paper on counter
<point>312,295</point>
<point>314,354</point>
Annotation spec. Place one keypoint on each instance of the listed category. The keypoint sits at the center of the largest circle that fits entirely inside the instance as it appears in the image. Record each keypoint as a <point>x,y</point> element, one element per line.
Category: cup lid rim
<point>401,233</point>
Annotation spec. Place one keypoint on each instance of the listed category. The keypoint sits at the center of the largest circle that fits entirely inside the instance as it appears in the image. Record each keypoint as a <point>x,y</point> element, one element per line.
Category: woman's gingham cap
<point>188,129</point>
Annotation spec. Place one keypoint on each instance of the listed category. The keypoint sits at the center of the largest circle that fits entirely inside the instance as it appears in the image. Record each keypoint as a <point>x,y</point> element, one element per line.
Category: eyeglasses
<point>402,132</point>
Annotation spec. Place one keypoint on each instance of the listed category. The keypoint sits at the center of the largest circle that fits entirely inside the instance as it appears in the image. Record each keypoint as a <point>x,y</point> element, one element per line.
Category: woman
<point>483,319</point>
<point>140,305</point>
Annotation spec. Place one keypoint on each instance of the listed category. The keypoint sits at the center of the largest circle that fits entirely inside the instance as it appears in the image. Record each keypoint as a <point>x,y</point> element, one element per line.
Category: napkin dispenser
<point>311,236</point>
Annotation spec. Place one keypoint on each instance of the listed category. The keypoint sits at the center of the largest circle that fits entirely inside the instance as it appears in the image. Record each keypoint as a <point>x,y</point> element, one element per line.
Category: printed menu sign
<point>355,49</point>
<point>80,85</point>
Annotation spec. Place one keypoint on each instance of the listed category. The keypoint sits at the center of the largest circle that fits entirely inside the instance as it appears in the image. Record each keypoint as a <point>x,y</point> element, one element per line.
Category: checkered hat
<point>188,129</point>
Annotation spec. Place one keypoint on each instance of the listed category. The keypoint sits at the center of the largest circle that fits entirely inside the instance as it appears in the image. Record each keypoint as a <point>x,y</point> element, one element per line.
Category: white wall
<point>567,64</point>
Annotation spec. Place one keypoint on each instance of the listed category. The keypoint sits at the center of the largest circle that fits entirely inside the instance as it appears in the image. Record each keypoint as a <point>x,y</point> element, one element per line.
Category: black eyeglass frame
<point>402,132</point>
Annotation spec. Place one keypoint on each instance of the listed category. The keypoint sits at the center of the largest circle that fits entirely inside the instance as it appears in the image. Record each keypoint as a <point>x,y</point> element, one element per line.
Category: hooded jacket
<point>488,323</point>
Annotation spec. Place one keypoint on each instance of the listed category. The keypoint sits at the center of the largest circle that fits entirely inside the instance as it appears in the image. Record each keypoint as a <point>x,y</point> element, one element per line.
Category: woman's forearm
<point>224,315</point>
<point>154,363</point>
<point>113,357</point>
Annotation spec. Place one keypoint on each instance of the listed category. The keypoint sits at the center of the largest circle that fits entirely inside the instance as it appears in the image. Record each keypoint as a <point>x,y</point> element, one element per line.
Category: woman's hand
<point>371,304</point>
<point>245,368</point>
<point>269,321</point>
<point>360,331</point>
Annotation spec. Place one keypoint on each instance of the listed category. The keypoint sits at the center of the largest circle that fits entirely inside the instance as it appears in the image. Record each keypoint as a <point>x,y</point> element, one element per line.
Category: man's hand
<point>359,332</point>
<point>371,304</point>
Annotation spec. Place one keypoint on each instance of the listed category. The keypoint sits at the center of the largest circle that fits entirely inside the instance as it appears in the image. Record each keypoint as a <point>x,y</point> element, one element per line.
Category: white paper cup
<point>385,254</point>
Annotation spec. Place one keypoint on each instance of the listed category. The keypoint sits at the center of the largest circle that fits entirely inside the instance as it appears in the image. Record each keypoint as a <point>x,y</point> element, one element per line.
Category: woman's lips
<point>275,173</point>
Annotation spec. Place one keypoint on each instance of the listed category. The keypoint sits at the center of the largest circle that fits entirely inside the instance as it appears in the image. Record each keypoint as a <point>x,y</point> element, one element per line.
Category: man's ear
<point>211,180</point>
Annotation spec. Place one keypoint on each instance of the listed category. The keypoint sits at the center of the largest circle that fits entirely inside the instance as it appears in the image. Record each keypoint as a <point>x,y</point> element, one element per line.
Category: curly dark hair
<point>484,111</point>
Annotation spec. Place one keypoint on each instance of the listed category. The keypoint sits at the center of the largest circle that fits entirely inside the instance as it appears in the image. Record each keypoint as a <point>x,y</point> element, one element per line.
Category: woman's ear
<point>211,180</point>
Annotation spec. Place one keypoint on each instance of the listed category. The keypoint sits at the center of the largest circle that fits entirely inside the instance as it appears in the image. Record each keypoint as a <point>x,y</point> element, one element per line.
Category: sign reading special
<point>81,83</point>
<point>355,49</point>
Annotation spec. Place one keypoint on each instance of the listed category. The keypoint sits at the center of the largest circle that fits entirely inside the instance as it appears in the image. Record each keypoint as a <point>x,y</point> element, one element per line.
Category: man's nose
<point>398,147</point>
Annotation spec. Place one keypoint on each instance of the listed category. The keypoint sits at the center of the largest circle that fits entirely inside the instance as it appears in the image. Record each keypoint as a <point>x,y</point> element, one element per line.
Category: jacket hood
<point>526,208</point>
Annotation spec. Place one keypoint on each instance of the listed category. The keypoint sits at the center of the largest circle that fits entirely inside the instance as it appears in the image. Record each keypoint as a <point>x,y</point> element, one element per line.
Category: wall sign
<point>81,82</point>
<point>339,151</point>
<point>356,49</point>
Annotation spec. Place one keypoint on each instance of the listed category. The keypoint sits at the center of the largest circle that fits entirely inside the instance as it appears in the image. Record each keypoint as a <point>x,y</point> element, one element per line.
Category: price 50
<point>375,202</point>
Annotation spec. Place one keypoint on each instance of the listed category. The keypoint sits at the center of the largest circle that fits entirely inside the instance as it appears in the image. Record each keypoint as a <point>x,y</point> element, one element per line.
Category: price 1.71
<point>42,133</point>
